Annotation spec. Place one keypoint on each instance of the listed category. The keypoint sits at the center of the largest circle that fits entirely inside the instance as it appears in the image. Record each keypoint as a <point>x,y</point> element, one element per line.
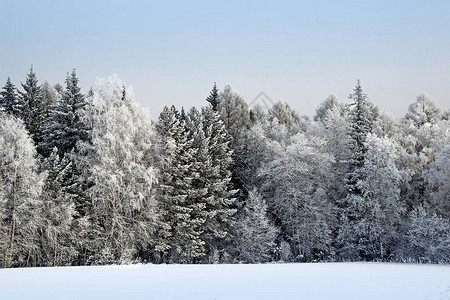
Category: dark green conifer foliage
<point>213,97</point>
<point>362,117</point>
<point>220,210</point>
<point>9,99</point>
<point>181,221</point>
<point>33,108</point>
<point>64,127</point>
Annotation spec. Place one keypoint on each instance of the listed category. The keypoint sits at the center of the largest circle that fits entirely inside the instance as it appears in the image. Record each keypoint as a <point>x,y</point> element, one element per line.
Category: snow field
<point>263,281</point>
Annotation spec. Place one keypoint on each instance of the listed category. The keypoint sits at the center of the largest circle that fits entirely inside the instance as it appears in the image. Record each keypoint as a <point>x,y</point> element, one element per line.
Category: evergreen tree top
<point>9,101</point>
<point>9,89</point>
<point>362,107</point>
<point>72,93</point>
<point>358,96</point>
<point>362,117</point>
<point>213,97</point>
<point>31,87</point>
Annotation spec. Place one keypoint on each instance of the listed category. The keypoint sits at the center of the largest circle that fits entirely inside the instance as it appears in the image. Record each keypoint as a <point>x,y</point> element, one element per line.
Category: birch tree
<point>20,189</point>
<point>122,191</point>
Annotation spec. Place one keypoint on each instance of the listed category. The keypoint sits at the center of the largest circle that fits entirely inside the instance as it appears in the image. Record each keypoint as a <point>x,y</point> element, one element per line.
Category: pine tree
<point>9,100</point>
<point>32,106</point>
<point>213,97</point>
<point>196,197</point>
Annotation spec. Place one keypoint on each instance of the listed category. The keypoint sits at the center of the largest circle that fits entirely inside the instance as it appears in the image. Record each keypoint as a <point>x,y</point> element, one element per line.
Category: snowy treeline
<point>90,179</point>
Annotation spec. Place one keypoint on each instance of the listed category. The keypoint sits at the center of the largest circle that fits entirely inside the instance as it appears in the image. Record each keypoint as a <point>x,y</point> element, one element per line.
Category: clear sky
<point>171,52</point>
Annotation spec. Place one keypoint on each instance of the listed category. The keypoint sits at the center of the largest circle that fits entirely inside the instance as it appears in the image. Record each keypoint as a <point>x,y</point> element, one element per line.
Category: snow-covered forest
<point>90,179</point>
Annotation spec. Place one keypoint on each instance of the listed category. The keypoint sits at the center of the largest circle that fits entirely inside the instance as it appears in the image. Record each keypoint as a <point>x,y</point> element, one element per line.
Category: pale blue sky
<point>171,52</point>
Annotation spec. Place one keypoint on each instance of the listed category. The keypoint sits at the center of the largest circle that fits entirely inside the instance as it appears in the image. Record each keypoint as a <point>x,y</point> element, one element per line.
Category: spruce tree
<point>362,117</point>
<point>216,175</point>
<point>9,100</point>
<point>181,219</point>
<point>373,219</point>
<point>356,208</point>
<point>63,128</point>
<point>32,106</point>
<point>213,97</point>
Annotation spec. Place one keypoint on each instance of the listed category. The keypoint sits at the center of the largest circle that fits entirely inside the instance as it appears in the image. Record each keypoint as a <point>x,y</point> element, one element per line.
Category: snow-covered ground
<point>268,281</point>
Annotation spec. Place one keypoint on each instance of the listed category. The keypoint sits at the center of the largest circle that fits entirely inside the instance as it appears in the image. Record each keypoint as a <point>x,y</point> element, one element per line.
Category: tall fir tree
<point>213,97</point>
<point>356,209</point>
<point>9,100</point>
<point>64,127</point>
<point>372,220</point>
<point>362,117</point>
<point>181,219</point>
<point>215,159</point>
<point>32,106</point>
